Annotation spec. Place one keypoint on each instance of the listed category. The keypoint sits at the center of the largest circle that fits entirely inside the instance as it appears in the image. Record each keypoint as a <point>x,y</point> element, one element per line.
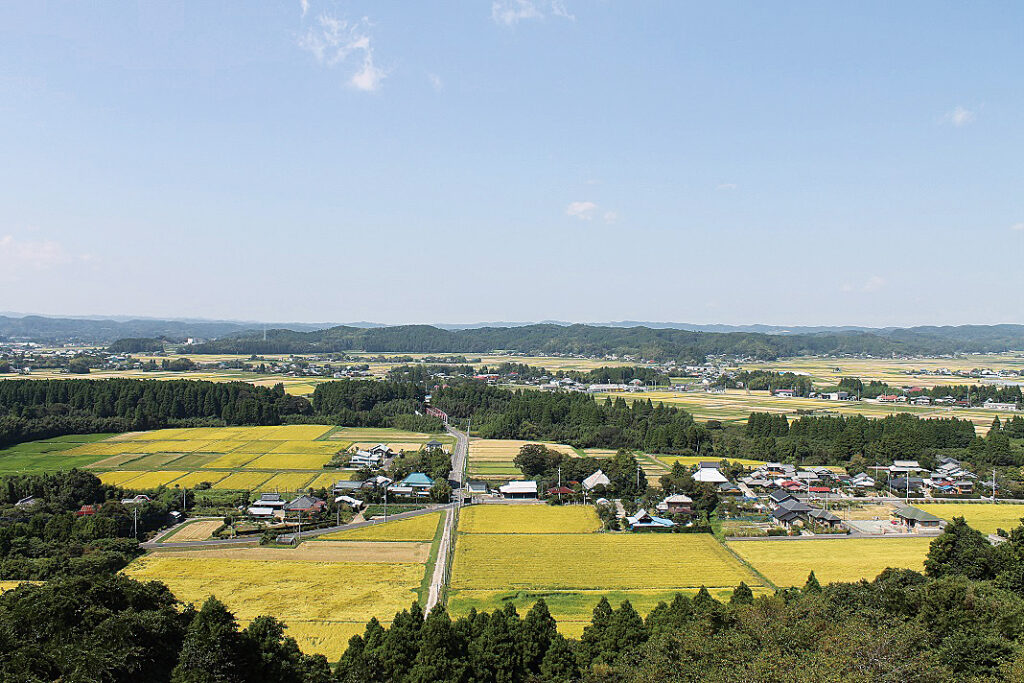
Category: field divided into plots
<point>324,590</point>
<point>735,405</point>
<point>288,458</point>
<point>518,553</point>
<point>493,459</point>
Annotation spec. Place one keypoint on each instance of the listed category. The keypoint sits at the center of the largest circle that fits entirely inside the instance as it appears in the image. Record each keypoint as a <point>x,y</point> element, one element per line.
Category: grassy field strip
<point>788,562</point>
<point>691,460</point>
<point>985,517</point>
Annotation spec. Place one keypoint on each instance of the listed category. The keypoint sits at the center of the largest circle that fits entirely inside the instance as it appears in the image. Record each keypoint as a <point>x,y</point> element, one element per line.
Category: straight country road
<point>444,554</point>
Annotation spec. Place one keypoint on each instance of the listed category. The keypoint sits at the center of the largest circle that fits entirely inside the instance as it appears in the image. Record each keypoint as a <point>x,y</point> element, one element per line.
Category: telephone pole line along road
<point>442,565</point>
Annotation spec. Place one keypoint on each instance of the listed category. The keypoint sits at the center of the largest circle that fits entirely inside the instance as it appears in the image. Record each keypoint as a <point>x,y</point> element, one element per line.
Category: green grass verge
<point>423,592</point>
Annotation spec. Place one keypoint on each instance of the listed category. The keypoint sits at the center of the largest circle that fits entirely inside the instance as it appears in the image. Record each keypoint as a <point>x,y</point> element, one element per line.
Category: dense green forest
<point>570,417</point>
<point>962,620</point>
<point>136,345</point>
<point>655,344</point>
<point>860,441</point>
<point>40,409</point>
<point>44,537</point>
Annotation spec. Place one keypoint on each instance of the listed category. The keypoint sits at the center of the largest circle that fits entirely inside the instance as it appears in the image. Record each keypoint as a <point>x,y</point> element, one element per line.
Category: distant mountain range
<point>652,340</point>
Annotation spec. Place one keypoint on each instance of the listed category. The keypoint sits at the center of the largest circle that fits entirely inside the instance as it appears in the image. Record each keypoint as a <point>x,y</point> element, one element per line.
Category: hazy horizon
<point>741,163</point>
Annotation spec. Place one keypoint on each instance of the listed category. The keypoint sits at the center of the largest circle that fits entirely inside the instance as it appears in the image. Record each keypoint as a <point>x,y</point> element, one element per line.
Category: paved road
<point>437,582</point>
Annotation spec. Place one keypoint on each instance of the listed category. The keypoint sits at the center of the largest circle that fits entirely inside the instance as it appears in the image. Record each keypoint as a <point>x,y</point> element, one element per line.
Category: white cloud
<point>582,210</point>
<point>1019,227</point>
<point>23,256</point>
<point>727,186</point>
<point>960,117</point>
<point>610,217</point>
<point>305,6</point>
<point>332,41</point>
<point>511,12</point>
<point>435,82</point>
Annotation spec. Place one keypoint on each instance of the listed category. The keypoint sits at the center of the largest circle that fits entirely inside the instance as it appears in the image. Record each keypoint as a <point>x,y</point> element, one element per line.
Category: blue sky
<point>786,163</point>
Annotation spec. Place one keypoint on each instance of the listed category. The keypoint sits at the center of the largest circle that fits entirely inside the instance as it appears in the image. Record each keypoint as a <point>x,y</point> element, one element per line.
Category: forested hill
<point>657,344</point>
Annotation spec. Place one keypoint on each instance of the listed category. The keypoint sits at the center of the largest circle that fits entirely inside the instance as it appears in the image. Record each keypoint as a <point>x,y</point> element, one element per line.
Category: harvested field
<point>195,531</point>
<point>315,551</point>
<point>155,461</point>
<point>419,528</point>
<point>529,519</point>
<point>787,563</point>
<point>115,461</point>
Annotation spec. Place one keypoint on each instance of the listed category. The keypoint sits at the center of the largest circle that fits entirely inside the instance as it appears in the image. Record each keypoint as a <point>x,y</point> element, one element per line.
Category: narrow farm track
<point>444,554</point>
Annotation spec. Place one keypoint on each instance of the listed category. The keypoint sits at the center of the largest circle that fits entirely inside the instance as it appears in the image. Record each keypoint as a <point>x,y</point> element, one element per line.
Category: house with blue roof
<point>644,521</point>
<point>416,483</point>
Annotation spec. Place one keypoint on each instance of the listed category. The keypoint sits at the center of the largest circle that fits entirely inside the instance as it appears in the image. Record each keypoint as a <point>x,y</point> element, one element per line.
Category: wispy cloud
<point>435,82</point>
<point>588,211</point>
<point>26,256</point>
<point>727,186</point>
<point>334,42</point>
<point>874,283</point>
<point>1019,227</point>
<point>960,116</point>
<point>511,12</point>
<point>304,4</point>
<point>583,210</point>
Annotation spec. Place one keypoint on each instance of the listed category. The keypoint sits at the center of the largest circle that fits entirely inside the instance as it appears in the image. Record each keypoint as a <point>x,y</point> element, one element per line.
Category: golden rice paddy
<point>315,599</point>
<point>788,562</point>
<point>594,561</point>
<point>529,519</point>
<point>287,481</point>
<point>287,461</point>
<point>242,481</point>
<point>985,517</point>
<point>419,528</point>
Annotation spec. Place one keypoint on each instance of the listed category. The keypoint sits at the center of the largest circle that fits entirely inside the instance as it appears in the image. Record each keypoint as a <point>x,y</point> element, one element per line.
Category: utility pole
<point>993,484</point>
<point>183,506</point>
<point>385,503</point>
<point>559,483</point>
<point>135,520</point>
